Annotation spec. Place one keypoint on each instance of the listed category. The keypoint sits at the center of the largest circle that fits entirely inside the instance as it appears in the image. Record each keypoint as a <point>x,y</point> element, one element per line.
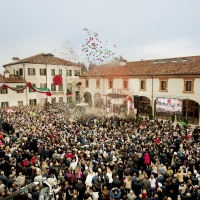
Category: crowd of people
<point>97,157</point>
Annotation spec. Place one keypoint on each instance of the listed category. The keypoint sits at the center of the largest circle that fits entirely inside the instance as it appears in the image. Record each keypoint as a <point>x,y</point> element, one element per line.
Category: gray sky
<point>144,29</point>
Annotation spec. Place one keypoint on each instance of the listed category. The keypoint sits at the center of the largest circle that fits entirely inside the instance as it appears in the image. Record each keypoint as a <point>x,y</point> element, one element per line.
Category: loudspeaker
<point>135,99</point>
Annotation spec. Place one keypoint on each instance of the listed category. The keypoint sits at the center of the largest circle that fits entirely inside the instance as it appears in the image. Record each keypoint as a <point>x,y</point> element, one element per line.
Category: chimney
<point>6,73</point>
<point>122,62</point>
<point>15,59</point>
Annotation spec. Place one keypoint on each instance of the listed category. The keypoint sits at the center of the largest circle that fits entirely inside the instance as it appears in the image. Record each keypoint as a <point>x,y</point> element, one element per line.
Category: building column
<point>152,105</point>
<point>199,115</point>
<point>92,97</point>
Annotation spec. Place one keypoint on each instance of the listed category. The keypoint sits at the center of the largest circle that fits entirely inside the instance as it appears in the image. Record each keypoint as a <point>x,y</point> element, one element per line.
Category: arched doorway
<point>190,111</point>
<point>143,105</point>
<point>98,101</point>
<point>88,97</point>
<point>77,95</point>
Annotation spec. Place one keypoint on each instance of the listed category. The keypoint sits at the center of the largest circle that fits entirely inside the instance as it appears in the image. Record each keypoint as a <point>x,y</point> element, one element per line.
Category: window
<point>20,103</point>
<point>60,87</point>
<point>69,99</point>
<point>68,72</point>
<point>86,83</point>
<point>97,84</point>
<point>163,85</point>
<point>77,96</point>
<point>125,84</point>
<point>3,91</point>
<point>77,72</point>
<point>69,87</point>
<point>31,71</point>
<point>43,72</point>
<point>53,87</point>
<point>60,72</point>
<point>53,100</point>
<point>32,102</point>
<point>110,84</point>
<point>142,85</point>
<point>20,71</point>
<point>43,85</point>
<point>188,86</point>
<point>20,86</point>
<point>16,76</point>
<point>4,104</point>
<point>52,72</point>
<point>31,89</point>
<point>60,99</point>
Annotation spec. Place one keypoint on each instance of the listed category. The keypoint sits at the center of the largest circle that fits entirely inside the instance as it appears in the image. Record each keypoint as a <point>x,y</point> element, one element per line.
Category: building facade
<point>40,71</point>
<point>145,82</point>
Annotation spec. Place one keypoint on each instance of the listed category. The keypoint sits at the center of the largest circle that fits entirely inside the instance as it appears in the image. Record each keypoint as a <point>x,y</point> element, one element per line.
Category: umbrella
<point>82,104</point>
<point>182,123</point>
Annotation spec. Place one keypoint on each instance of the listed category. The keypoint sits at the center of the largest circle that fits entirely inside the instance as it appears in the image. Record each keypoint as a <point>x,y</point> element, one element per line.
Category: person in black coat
<point>80,187</point>
<point>3,178</point>
<point>137,187</point>
<point>117,182</point>
<point>174,189</point>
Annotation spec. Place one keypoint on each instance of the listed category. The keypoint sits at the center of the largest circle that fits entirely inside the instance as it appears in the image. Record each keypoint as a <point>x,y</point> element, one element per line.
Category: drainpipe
<point>152,94</point>
<point>25,79</point>
<point>103,98</point>
<point>46,81</point>
<point>186,113</point>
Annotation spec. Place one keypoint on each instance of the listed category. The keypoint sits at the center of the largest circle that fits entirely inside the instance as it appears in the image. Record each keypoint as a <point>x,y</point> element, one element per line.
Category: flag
<point>130,103</point>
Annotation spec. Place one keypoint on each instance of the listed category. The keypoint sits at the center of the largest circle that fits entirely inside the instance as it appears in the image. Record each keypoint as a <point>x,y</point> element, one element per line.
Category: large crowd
<point>97,157</point>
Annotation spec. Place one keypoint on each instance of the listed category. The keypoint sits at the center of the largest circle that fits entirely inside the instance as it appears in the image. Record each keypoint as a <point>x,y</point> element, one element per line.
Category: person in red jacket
<point>147,160</point>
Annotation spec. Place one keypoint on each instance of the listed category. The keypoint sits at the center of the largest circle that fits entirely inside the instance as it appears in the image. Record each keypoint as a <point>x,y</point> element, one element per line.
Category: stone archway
<point>88,97</point>
<point>98,100</point>
<point>143,105</point>
<point>190,111</point>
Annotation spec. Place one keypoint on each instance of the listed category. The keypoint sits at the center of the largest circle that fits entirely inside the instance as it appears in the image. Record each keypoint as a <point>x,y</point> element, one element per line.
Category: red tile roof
<point>158,67</point>
<point>13,78</point>
<point>43,58</point>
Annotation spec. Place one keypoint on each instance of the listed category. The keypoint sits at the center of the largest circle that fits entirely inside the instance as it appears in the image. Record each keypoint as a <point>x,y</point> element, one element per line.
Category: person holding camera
<point>115,194</point>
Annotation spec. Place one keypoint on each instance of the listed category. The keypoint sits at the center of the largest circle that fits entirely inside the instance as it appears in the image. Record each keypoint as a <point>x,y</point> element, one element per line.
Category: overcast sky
<point>141,29</point>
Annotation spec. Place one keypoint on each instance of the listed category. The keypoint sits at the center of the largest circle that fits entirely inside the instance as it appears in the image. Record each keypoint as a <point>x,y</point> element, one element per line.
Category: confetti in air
<point>67,52</point>
<point>96,49</point>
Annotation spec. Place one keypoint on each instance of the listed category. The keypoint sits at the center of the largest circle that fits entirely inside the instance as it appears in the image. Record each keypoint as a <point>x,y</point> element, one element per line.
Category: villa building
<point>40,70</point>
<point>145,81</point>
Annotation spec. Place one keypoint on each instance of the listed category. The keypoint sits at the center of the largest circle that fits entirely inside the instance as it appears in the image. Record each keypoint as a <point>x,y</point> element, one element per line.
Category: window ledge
<point>188,92</point>
<point>142,89</point>
<point>163,90</point>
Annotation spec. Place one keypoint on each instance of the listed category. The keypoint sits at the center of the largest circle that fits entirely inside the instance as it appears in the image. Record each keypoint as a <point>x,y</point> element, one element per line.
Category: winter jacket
<point>147,160</point>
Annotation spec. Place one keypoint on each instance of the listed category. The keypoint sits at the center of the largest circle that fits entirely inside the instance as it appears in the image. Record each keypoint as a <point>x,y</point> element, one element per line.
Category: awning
<point>116,96</point>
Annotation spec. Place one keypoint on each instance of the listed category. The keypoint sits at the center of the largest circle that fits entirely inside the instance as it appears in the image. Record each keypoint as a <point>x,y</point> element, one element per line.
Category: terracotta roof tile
<point>13,78</point>
<point>42,58</point>
<point>168,66</point>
